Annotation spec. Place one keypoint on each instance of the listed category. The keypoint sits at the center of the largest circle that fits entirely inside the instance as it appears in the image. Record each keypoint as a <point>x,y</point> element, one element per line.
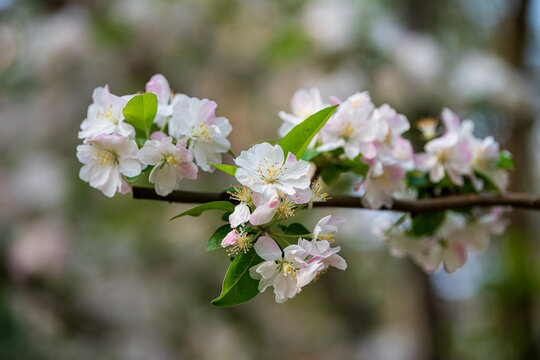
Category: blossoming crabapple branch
<point>170,137</point>
<point>451,202</point>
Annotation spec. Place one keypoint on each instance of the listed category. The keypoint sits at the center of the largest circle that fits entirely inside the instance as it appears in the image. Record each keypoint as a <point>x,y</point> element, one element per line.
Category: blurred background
<point>87,277</point>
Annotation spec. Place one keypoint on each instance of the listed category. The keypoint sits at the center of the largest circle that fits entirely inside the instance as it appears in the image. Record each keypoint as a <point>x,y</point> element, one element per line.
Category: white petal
<point>268,249</point>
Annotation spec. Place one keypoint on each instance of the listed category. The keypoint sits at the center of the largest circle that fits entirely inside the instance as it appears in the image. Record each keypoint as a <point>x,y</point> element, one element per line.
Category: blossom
<point>327,227</point>
<point>450,153</point>
<point>195,120</point>
<point>380,184</point>
<point>351,128</point>
<point>171,164</point>
<point>321,252</point>
<point>303,104</point>
<point>106,158</point>
<point>392,148</point>
<point>448,245</point>
<point>485,156</point>
<point>263,169</point>
<point>105,115</point>
<point>159,86</point>
<point>281,269</point>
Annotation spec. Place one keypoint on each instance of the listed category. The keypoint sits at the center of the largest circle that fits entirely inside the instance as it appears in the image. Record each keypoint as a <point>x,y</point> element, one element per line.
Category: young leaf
<point>214,242</point>
<point>213,205</point>
<point>298,139</point>
<point>506,161</point>
<point>238,286</point>
<point>297,229</point>
<point>310,154</point>
<point>140,111</point>
<point>426,224</point>
<point>228,169</point>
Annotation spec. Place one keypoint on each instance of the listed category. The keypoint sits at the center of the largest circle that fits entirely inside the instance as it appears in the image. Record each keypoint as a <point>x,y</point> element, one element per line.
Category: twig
<point>516,200</point>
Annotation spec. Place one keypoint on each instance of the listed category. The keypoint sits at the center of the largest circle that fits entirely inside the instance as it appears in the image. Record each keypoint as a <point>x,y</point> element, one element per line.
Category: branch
<point>516,200</point>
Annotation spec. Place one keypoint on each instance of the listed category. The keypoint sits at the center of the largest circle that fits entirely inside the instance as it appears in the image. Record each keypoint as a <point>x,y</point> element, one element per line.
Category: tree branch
<point>516,200</point>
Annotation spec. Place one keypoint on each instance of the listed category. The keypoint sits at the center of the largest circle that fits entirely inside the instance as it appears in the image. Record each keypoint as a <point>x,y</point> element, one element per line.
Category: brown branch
<point>516,200</point>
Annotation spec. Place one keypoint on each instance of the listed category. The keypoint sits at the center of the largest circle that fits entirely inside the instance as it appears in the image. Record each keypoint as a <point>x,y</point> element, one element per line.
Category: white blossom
<point>105,115</point>
<point>171,164</point>
<point>106,158</point>
<point>264,170</point>
<point>195,120</point>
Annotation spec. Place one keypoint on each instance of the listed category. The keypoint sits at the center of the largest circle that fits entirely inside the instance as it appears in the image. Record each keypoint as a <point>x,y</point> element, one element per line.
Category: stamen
<point>240,193</point>
<point>243,244</point>
<point>317,191</point>
<point>173,161</point>
<point>287,269</point>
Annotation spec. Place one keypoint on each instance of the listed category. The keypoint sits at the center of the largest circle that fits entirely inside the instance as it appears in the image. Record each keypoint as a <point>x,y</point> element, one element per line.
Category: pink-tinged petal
<point>302,196</point>
<point>190,170</point>
<point>291,159</point>
<point>263,214</point>
<point>450,120</point>
<point>334,100</point>
<point>306,274</point>
<point>207,111</point>
<point>368,150</point>
<point>268,249</point>
<point>425,161</point>
<point>454,257</point>
<point>182,142</point>
<point>336,261</point>
<point>158,135</point>
<point>229,239</point>
<point>159,86</point>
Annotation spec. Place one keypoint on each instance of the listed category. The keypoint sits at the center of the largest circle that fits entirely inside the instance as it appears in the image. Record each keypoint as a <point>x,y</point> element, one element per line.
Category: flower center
<point>347,130</point>
<point>287,269</point>
<point>270,173</point>
<point>105,157</point>
<point>173,161</point>
<point>108,115</point>
<point>203,132</point>
<point>243,244</point>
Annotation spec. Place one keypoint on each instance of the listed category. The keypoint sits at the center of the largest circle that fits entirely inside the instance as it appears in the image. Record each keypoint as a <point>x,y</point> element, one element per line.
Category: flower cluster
<point>369,142</point>
<point>273,188</point>
<point>449,244</point>
<point>171,136</point>
<point>358,131</point>
<point>184,134</point>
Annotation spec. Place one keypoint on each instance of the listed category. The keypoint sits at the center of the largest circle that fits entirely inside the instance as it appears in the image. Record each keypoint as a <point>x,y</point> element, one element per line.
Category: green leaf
<point>238,285</point>
<point>228,169</point>
<point>214,242</point>
<point>213,205</point>
<point>417,178</point>
<point>140,111</point>
<point>506,161</point>
<point>297,140</point>
<point>297,229</point>
<point>426,224</point>
<point>310,154</point>
<point>356,166</point>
